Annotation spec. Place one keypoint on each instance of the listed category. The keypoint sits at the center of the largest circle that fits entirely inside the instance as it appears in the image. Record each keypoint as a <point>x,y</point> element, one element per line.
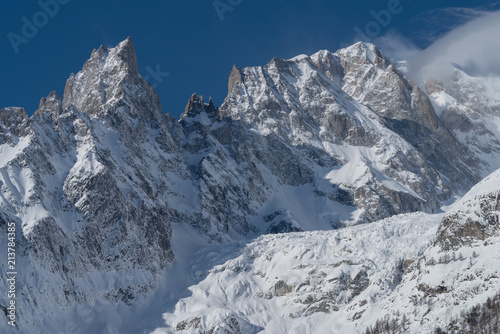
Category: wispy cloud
<point>474,46</point>
<point>433,24</point>
<point>397,46</point>
<point>105,36</point>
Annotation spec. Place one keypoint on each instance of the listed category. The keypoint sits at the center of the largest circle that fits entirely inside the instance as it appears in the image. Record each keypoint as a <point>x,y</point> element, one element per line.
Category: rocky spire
<point>194,106</point>
<point>125,53</point>
<point>235,78</point>
<point>210,109</point>
<point>51,104</point>
<point>109,76</point>
<point>197,105</point>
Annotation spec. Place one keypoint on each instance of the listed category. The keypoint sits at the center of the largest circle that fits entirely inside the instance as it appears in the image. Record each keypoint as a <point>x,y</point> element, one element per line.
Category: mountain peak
<point>99,52</point>
<point>196,105</point>
<point>123,55</point>
<point>50,104</point>
<point>235,78</point>
<point>366,52</point>
<point>103,77</point>
<point>361,46</point>
<point>125,51</point>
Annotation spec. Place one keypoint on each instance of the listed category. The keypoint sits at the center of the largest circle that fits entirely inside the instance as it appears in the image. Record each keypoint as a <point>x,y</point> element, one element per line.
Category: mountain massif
<point>311,200</point>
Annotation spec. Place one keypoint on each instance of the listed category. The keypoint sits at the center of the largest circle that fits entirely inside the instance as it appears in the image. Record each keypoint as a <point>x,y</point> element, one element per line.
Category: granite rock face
<point>87,179</point>
<point>475,218</point>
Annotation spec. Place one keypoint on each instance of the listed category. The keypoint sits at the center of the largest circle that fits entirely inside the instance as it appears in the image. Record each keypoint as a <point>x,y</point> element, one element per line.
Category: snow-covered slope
<point>307,282</point>
<point>345,281</point>
<point>460,270</point>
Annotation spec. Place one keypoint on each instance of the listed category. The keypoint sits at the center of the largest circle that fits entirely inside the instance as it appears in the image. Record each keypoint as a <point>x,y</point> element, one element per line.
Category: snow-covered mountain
<point>120,209</point>
<point>470,107</point>
<point>388,148</point>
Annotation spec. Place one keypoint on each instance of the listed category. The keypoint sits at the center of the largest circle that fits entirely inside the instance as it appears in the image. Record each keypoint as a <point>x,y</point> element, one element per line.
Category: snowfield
<point>306,282</point>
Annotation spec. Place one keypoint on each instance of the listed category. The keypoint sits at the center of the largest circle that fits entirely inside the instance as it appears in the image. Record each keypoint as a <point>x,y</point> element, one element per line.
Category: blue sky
<point>197,41</point>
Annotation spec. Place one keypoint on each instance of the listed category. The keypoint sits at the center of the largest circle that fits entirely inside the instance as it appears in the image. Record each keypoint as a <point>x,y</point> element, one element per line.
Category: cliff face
<point>475,218</point>
<point>88,180</point>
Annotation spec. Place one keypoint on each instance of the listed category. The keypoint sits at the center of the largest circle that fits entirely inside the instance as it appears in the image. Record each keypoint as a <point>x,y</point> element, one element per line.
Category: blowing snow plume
<point>473,47</point>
